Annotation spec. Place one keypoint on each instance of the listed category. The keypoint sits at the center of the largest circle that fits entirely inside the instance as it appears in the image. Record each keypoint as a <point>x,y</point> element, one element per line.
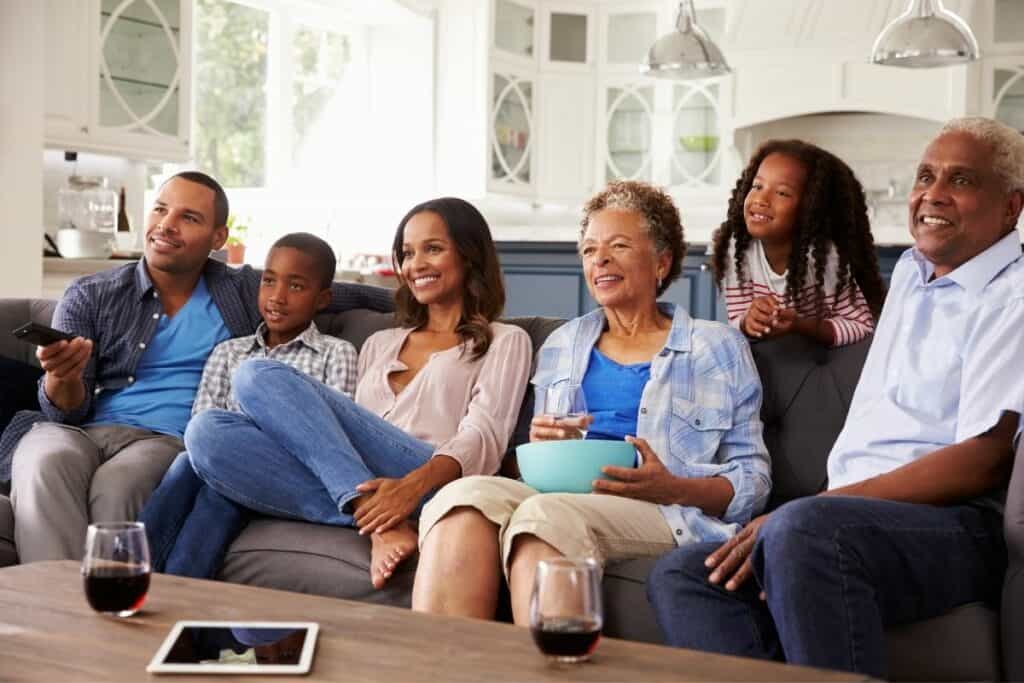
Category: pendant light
<point>686,53</point>
<point>926,35</point>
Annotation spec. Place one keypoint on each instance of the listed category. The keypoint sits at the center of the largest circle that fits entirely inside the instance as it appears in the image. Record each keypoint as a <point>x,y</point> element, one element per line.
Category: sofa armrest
<point>17,312</point>
<point>1013,586</point>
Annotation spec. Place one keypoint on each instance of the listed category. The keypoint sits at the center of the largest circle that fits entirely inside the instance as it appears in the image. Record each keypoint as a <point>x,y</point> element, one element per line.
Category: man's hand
<point>547,428</point>
<point>731,562</point>
<point>757,323</point>
<point>390,502</point>
<point>64,363</point>
<point>651,481</point>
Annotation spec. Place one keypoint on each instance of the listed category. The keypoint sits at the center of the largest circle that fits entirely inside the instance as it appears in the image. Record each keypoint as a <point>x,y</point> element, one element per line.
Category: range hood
<point>795,57</point>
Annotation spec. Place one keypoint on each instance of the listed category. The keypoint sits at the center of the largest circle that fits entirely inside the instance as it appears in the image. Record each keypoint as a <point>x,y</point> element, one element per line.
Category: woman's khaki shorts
<point>601,526</point>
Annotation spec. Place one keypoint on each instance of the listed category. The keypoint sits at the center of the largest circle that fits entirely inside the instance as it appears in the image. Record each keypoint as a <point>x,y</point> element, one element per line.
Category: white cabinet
<point>118,77</point>
<point>1003,65</point>
<point>516,98</point>
<point>671,133</point>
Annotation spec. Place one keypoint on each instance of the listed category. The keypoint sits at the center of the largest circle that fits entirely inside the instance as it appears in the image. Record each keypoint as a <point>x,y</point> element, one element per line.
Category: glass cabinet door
<point>512,129</point>
<point>568,38</point>
<point>630,36</point>
<point>630,132</point>
<point>695,141</point>
<point>513,28</point>
<point>1009,96</point>
<point>140,65</point>
<point>1009,21</point>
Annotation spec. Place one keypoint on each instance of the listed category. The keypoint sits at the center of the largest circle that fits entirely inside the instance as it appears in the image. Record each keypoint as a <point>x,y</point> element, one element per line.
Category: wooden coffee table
<point>49,633</point>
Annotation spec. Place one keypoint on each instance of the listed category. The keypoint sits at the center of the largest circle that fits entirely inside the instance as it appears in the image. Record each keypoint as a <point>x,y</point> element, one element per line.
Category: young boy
<point>295,285</point>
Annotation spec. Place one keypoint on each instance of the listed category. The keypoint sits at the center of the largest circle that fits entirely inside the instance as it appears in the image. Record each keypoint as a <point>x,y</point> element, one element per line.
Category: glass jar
<point>87,203</point>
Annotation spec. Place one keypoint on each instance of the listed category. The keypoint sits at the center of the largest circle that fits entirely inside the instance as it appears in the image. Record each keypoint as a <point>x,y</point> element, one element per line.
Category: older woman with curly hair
<point>684,392</point>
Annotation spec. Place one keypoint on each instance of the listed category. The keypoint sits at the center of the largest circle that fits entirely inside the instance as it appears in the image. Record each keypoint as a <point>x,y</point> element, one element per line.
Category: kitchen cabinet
<point>1004,90</point>
<point>546,279</point>
<point>670,133</point>
<point>565,109</point>
<point>118,77</point>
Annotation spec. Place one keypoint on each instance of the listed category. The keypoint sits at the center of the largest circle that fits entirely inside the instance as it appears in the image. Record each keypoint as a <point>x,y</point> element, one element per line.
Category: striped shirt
<point>119,309</point>
<point>847,312</point>
<point>326,359</point>
<point>699,411</point>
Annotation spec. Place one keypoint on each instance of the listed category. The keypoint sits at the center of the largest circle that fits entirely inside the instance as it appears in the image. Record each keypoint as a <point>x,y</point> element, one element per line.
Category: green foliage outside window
<point>230,92</point>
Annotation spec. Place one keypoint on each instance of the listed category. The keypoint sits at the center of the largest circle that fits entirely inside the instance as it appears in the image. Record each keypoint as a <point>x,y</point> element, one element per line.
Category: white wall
<point>22,44</point>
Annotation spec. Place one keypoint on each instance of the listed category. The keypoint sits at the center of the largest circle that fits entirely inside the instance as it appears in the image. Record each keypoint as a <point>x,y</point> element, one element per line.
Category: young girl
<point>795,254</point>
<point>437,399</point>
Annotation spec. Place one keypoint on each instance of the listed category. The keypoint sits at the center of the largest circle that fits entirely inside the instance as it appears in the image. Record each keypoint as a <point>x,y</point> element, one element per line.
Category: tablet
<point>236,647</point>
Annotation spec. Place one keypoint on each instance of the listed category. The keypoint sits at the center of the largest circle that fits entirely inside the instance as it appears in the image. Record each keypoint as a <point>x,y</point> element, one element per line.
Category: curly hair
<point>659,213</point>
<point>483,295</point>
<point>832,211</point>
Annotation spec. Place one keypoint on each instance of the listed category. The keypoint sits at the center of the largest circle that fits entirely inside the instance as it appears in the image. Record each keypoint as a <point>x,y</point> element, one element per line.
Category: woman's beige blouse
<point>465,409</point>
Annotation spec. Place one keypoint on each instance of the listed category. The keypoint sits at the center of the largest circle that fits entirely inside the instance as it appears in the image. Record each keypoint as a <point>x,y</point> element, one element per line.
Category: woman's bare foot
<point>388,549</point>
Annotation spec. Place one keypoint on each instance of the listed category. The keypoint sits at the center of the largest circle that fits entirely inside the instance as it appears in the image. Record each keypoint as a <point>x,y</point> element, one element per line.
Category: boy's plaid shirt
<point>324,358</point>
<point>700,411</point>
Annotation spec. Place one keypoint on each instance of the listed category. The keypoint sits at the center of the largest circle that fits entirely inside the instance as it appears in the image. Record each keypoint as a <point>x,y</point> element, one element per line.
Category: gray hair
<point>1007,147</point>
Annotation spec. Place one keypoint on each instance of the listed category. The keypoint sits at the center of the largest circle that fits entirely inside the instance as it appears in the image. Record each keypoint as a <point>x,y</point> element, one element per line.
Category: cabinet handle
<point>85,129</point>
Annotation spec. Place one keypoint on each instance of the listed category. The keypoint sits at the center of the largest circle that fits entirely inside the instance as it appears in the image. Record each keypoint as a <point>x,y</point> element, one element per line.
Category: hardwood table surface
<point>48,632</point>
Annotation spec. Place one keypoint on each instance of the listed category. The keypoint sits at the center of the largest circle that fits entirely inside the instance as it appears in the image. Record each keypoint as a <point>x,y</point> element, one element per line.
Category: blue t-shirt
<point>164,385</point>
<point>613,393</point>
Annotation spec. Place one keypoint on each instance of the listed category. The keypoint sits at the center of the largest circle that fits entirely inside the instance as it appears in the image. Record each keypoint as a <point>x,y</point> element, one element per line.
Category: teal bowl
<point>570,466</point>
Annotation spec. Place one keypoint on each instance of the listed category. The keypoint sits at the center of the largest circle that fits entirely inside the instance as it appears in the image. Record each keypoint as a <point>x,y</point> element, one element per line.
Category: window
<point>261,67</point>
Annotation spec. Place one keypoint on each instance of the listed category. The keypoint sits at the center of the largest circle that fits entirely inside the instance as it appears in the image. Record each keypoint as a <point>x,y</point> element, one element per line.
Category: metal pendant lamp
<point>686,53</point>
<point>926,35</point>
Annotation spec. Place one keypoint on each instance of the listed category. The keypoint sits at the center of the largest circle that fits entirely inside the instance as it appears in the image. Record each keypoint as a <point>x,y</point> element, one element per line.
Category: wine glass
<point>565,401</point>
<point>565,608</point>
<point>116,569</point>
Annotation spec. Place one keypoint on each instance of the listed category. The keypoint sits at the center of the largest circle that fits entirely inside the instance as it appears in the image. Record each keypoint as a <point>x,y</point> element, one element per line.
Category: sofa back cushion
<point>807,393</point>
<point>17,312</point>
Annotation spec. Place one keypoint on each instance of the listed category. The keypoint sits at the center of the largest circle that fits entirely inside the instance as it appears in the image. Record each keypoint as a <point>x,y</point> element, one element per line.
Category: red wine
<point>113,591</point>
<point>566,637</point>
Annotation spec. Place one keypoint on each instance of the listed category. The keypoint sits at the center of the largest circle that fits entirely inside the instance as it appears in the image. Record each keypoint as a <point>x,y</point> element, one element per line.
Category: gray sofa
<point>807,392</point>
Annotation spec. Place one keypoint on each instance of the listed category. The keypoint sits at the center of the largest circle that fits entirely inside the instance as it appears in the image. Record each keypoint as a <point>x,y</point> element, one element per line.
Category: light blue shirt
<point>700,411</point>
<point>944,365</point>
<point>159,395</point>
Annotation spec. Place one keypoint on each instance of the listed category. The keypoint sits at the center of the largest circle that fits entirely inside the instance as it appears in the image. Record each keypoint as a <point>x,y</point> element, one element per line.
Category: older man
<point>116,399</point>
<point>911,525</point>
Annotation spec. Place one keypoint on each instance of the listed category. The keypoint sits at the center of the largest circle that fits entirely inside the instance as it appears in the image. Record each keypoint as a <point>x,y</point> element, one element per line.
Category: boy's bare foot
<point>388,549</point>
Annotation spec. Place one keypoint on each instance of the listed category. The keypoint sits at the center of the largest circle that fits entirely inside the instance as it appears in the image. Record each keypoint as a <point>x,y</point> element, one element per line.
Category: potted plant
<point>236,240</point>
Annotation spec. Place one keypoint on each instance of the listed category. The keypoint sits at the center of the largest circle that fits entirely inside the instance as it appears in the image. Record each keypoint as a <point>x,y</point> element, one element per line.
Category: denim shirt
<point>700,411</point>
<point>119,310</point>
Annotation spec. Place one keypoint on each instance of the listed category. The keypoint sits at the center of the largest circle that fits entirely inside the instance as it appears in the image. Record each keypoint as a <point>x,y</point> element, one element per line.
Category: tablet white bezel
<point>157,665</point>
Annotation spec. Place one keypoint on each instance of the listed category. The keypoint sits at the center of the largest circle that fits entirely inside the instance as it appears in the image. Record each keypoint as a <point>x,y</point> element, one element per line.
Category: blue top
<point>700,411</point>
<point>613,394</point>
<point>159,395</point>
<point>944,365</point>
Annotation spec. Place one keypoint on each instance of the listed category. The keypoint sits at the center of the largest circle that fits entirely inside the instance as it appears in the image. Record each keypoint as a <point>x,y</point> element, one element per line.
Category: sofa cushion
<point>312,558</point>
<point>17,388</point>
<point>8,555</point>
<point>807,393</point>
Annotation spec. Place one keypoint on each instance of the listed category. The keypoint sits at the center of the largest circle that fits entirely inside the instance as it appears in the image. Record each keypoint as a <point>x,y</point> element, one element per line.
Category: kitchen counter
<point>59,272</point>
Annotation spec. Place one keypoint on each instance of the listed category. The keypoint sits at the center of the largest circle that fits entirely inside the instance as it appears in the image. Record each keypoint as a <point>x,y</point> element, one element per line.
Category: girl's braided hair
<point>832,211</point>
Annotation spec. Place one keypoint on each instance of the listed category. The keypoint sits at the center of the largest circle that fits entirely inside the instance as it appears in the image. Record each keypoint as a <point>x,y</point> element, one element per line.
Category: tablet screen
<point>212,647</point>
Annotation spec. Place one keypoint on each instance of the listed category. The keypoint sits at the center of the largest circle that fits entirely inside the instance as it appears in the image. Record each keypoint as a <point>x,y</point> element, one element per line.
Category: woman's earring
<point>659,283</point>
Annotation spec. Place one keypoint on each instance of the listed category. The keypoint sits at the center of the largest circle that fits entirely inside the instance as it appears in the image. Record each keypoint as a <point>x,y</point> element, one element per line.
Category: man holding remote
<point>115,399</point>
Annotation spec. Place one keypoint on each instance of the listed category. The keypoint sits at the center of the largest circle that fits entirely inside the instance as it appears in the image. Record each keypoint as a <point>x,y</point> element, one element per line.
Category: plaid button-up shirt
<point>700,411</point>
<point>326,359</point>
<point>119,309</point>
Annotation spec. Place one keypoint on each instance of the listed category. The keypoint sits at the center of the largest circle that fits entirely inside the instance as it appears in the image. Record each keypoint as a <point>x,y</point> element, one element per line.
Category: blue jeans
<point>189,525</point>
<point>297,449</point>
<point>836,571</point>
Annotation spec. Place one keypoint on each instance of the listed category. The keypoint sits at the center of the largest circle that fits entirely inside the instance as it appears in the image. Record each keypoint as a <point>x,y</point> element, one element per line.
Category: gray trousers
<point>64,477</point>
